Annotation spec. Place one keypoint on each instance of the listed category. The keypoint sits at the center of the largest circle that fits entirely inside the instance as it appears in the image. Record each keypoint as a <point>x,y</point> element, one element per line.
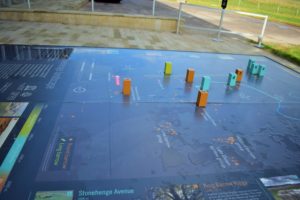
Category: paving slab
<point>59,34</point>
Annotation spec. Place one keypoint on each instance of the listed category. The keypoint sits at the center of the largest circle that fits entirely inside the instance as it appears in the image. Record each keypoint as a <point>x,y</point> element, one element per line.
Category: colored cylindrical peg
<point>168,68</point>
<point>202,98</point>
<point>250,63</point>
<point>254,69</point>
<point>239,73</point>
<point>231,79</point>
<point>190,75</point>
<point>126,86</point>
<point>205,83</point>
<point>261,70</point>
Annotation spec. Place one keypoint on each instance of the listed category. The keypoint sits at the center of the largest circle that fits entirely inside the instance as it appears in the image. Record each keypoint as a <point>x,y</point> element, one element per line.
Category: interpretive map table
<point>67,132</point>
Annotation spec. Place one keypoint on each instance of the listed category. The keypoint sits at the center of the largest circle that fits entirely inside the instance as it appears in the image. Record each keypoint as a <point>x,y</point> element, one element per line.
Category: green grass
<point>286,11</point>
<point>289,52</point>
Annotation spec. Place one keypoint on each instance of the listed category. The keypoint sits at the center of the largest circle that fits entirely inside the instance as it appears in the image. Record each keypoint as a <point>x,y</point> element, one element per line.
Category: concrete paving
<point>197,17</point>
<point>188,40</point>
<point>45,5</point>
<point>34,33</point>
<point>209,18</point>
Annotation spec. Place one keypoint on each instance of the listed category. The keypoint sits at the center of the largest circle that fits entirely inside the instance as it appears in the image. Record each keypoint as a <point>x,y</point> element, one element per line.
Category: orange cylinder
<point>239,73</point>
<point>190,75</point>
<point>126,86</point>
<point>202,98</point>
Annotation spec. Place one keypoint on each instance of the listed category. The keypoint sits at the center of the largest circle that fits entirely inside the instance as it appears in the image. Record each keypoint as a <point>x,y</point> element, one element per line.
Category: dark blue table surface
<point>91,142</point>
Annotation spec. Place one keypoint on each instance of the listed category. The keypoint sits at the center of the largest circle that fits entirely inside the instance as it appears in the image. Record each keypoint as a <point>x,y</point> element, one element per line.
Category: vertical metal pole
<point>178,18</point>
<point>47,53</point>
<point>261,37</point>
<point>3,52</point>
<point>29,53</point>
<point>93,9</point>
<point>17,52</point>
<point>22,54</point>
<point>220,25</point>
<point>28,4</point>
<point>153,7</point>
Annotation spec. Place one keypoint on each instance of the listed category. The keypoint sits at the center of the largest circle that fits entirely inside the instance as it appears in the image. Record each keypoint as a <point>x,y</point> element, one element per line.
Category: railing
<point>153,7</point>
<point>220,30</point>
<point>92,5</point>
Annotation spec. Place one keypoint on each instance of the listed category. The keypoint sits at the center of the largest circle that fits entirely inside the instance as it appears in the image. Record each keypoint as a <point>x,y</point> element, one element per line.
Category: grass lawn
<point>286,11</point>
<point>289,52</point>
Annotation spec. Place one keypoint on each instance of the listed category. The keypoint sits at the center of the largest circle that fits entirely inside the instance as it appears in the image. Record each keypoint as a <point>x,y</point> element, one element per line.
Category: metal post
<point>220,27</point>
<point>17,52</point>
<point>29,53</point>
<point>179,17</point>
<point>261,36</point>
<point>93,6</point>
<point>153,7</point>
<point>3,52</point>
<point>28,4</point>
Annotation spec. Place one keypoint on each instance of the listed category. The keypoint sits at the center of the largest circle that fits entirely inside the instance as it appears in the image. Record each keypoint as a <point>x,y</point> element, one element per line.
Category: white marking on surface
<point>91,73</point>
<point>166,139</point>
<point>160,84</point>
<point>153,54</point>
<point>226,57</point>
<point>210,118</point>
<point>29,196</point>
<point>204,116</point>
<point>133,95</point>
<point>82,67</point>
<point>137,93</point>
<point>194,56</point>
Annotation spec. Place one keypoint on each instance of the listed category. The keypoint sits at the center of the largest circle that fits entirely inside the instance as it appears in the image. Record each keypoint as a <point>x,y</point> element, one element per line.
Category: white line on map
<point>160,84</point>
<point>82,67</point>
<point>133,95</point>
<point>210,118</point>
<point>137,93</point>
